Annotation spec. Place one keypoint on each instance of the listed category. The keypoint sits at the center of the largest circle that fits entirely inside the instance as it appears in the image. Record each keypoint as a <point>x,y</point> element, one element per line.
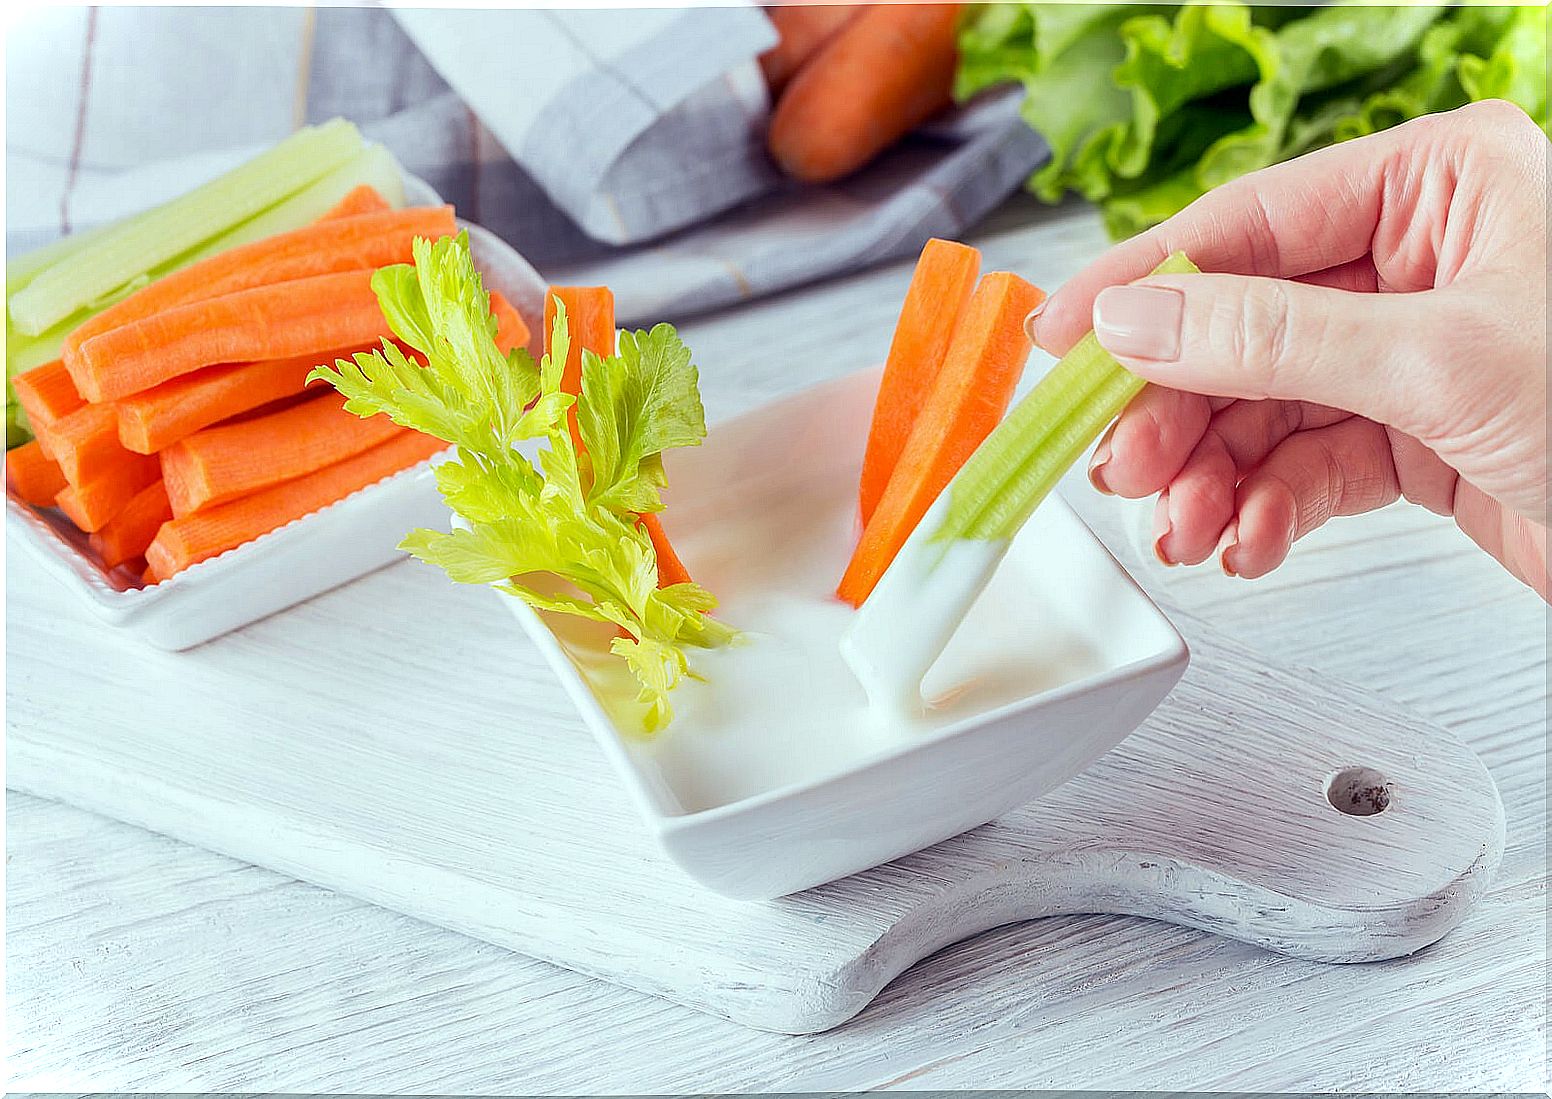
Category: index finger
<point>1306,215</point>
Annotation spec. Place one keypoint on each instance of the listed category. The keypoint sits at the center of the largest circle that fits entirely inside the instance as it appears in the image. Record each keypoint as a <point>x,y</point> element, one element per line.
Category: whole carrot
<point>884,73</point>
<point>803,30</point>
<point>301,317</point>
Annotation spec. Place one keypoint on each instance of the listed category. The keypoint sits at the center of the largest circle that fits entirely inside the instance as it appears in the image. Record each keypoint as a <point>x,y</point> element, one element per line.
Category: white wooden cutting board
<point>399,740</point>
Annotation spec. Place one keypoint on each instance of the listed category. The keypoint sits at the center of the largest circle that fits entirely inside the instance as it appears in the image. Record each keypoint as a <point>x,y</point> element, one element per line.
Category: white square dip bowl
<point>773,776</point>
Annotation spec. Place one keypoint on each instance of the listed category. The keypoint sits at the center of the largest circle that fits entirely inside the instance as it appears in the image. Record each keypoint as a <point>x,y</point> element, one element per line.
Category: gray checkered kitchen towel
<point>623,147</point>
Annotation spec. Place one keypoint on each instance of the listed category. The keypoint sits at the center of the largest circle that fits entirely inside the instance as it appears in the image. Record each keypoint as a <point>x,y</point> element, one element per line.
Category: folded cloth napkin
<point>609,146</point>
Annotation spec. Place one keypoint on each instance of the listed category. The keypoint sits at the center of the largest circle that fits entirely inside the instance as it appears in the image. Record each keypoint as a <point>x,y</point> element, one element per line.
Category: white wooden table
<point>138,963</point>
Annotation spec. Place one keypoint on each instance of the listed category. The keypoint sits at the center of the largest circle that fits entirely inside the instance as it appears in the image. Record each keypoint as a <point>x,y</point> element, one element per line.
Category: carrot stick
<point>590,322</point>
<point>127,534</point>
<point>361,199</point>
<point>46,393</point>
<point>803,30</point>
<point>325,247</point>
<point>222,463</point>
<point>972,391</point>
<point>884,73</point>
<point>670,570</point>
<point>301,317</point>
<point>156,418</point>
<point>511,331</point>
<point>85,443</point>
<point>31,476</point>
<point>944,278</point>
<point>92,504</point>
<point>186,541</point>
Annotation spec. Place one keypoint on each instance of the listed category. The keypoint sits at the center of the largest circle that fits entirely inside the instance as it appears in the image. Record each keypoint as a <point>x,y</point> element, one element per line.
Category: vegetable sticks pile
<point>956,358</point>
<point>51,291</point>
<point>177,424</point>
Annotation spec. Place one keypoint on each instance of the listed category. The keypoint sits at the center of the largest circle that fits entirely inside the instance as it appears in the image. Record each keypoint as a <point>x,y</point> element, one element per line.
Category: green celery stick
<point>17,429</point>
<point>1037,475</point>
<point>373,165</point>
<point>1003,482</point>
<point>137,247</point>
<point>20,271</point>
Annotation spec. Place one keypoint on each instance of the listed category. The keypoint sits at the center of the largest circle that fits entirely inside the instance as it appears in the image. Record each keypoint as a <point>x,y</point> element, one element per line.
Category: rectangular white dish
<point>1061,658</point>
<point>330,547</point>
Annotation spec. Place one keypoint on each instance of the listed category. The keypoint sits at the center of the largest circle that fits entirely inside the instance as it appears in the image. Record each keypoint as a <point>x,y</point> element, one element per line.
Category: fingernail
<point>1142,322</point>
<point>1228,542</point>
<point>1029,321</point>
<point>1097,467</point>
<point>1161,528</point>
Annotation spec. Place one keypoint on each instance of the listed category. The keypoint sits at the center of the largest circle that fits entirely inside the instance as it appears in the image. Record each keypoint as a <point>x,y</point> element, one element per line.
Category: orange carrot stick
<point>31,476</point>
<point>803,30</point>
<point>46,393</point>
<point>325,247</point>
<point>884,73</point>
<point>511,331</point>
<point>127,534</point>
<point>944,278</point>
<point>670,570</point>
<point>590,323</point>
<point>85,443</point>
<point>93,504</point>
<point>222,463</point>
<point>183,542</point>
<point>972,391</point>
<point>301,317</point>
<point>362,199</point>
<point>156,418</point>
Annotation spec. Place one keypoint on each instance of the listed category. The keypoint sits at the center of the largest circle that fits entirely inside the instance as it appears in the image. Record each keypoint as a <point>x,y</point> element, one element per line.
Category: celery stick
<point>180,226</point>
<point>17,429</point>
<point>20,271</point>
<point>1003,482</point>
<point>940,571</point>
<point>373,165</point>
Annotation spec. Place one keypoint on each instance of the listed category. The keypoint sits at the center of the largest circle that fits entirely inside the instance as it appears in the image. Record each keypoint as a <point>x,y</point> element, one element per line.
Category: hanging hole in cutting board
<point>1358,791</point>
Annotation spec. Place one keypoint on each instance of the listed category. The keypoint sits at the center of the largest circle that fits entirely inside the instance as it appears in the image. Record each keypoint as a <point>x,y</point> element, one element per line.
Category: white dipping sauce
<point>784,707</point>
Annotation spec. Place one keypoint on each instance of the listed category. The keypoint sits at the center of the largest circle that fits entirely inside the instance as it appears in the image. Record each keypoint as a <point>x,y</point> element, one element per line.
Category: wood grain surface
<point>138,962</point>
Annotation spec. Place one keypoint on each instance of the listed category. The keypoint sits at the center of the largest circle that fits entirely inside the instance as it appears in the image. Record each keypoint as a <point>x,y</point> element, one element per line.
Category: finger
<point>1343,469</point>
<point>1197,505</point>
<point>1356,276</point>
<point>1150,442</point>
<point>1309,214</point>
<point>1251,430</point>
<point>1511,539</point>
<point>1253,338</point>
<point>1423,476</point>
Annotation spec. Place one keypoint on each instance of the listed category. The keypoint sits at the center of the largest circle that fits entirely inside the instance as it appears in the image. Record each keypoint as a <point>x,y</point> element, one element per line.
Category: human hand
<point>1375,327</point>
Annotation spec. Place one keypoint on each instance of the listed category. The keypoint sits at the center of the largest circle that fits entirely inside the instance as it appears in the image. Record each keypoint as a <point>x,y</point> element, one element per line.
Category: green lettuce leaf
<point>561,535</point>
<point>1147,108</point>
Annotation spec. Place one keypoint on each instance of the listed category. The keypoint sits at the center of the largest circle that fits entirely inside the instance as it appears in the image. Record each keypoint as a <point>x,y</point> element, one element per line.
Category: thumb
<point>1239,336</point>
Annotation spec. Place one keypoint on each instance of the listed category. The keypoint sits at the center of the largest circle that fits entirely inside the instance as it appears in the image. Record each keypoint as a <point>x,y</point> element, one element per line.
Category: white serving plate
<point>323,550</point>
<point>1061,658</point>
